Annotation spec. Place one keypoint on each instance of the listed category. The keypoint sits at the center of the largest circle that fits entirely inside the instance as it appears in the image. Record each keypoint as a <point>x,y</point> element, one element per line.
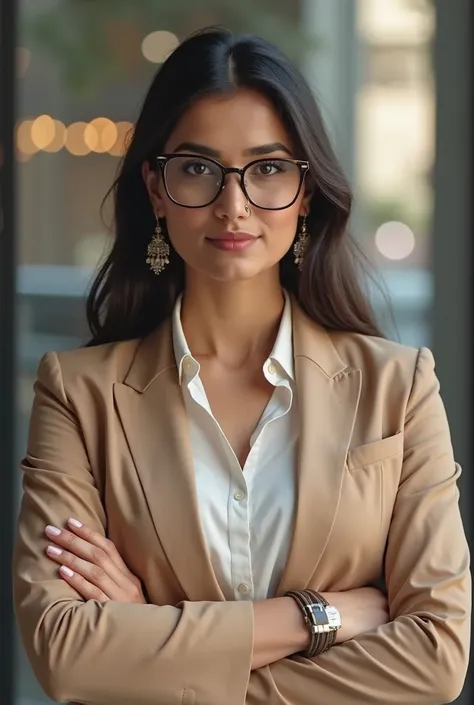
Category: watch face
<point>334,617</point>
<point>323,618</point>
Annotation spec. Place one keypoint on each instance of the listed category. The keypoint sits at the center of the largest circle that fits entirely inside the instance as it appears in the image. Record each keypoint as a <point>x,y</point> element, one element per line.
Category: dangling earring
<point>301,245</point>
<point>158,252</point>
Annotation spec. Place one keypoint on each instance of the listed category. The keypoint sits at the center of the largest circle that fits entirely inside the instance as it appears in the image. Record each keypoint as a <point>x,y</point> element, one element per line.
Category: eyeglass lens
<point>270,183</point>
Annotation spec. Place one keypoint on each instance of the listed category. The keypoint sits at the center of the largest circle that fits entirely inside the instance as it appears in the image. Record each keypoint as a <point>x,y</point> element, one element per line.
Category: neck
<point>232,321</point>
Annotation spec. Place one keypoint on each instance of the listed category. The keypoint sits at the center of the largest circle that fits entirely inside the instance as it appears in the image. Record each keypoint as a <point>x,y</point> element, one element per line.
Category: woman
<point>213,486</point>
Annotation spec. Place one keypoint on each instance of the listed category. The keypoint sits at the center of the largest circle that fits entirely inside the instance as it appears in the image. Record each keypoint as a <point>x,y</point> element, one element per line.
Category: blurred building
<point>393,79</point>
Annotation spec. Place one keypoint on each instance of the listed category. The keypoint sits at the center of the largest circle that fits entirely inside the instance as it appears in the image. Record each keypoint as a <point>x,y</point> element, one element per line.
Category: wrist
<point>297,629</point>
<point>279,631</point>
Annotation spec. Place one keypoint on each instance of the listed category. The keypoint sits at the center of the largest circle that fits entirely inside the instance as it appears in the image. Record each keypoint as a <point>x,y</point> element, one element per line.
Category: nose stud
<point>247,209</point>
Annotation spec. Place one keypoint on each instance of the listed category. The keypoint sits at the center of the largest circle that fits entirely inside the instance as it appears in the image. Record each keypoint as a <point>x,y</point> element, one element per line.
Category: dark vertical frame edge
<point>8,26</point>
<point>453,251</point>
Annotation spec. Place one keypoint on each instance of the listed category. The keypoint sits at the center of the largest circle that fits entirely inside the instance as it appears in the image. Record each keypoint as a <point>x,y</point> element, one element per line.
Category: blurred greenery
<point>94,41</point>
<point>421,5</point>
<point>378,211</point>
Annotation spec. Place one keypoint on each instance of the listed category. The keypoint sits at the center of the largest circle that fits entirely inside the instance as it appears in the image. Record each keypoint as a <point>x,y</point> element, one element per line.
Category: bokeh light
<point>395,240</point>
<point>123,135</point>
<point>57,143</point>
<point>43,131</point>
<point>24,143</point>
<point>101,135</point>
<point>157,46</point>
<point>75,141</point>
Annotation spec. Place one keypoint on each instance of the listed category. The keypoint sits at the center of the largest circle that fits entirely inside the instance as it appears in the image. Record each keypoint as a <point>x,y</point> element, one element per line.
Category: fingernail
<point>66,571</point>
<point>53,530</point>
<point>54,550</point>
<point>74,522</point>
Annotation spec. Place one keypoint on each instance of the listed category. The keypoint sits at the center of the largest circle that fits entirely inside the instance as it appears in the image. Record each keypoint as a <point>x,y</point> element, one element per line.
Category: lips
<point>233,240</point>
<point>235,235</point>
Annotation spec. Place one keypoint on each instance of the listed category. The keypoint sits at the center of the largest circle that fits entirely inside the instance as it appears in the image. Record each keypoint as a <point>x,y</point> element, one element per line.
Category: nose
<point>232,200</point>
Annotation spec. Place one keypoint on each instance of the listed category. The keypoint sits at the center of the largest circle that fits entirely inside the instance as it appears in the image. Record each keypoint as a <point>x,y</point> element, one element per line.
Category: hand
<point>91,564</point>
<point>361,610</point>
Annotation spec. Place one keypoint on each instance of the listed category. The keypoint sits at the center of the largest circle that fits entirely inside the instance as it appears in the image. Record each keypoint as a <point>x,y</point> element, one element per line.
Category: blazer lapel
<point>328,394</point>
<point>153,416</point>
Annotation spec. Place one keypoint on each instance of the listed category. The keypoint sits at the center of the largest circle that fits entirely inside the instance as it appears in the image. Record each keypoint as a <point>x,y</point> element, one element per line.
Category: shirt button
<point>188,364</point>
<point>239,495</point>
<point>243,589</point>
<point>271,369</point>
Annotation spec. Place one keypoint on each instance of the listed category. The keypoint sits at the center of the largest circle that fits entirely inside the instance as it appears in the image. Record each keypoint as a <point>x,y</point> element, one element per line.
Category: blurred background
<point>394,80</point>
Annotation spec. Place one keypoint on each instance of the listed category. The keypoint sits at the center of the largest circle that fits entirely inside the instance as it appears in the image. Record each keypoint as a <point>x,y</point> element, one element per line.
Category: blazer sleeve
<point>421,655</point>
<point>113,653</point>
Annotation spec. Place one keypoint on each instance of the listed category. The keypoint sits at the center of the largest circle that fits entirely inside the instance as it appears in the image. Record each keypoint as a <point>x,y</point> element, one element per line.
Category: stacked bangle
<point>313,605</point>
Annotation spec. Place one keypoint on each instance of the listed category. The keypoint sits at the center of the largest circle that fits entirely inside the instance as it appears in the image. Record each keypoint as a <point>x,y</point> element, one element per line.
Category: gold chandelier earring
<point>158,251</point>
<point>300,247</point>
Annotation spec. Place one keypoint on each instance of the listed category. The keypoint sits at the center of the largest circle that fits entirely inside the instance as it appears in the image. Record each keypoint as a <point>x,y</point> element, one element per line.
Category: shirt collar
<point>282,351</point>
<point>182,352</point>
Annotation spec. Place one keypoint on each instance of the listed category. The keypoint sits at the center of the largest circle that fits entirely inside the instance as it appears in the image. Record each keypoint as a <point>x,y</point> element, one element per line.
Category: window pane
<point>395,125</point>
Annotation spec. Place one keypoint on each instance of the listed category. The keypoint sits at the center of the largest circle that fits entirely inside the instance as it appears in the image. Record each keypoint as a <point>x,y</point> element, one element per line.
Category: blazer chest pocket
<point>375,452</point>
<point>367,495</point>
<point>188,697</point>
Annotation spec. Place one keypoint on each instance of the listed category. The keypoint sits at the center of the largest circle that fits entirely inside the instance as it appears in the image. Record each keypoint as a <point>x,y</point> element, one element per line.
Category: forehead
<point>235,122</point>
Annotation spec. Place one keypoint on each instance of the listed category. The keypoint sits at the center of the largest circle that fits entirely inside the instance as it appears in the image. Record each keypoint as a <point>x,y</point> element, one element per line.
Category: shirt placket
<point>239,507</point>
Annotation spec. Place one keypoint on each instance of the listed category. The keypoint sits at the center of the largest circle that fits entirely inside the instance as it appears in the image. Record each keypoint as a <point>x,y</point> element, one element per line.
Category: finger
<point>83,587</point>
<point>88,572</point>
<point>97,539</point>
<point>94,555</point>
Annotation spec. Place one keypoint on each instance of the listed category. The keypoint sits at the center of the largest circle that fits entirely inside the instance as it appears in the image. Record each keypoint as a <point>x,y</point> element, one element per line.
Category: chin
<point>238,271</point>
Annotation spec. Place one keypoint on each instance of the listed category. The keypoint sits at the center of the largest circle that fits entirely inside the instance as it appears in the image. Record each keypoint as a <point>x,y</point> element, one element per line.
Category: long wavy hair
<point>126,299</point>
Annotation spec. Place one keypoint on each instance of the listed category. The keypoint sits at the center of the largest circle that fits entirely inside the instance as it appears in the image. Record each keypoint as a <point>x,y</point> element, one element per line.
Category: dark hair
<point>126,299</point>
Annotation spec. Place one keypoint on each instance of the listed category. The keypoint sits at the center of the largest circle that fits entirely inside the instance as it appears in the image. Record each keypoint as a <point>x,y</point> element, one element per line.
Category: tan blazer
<point>377,495</point>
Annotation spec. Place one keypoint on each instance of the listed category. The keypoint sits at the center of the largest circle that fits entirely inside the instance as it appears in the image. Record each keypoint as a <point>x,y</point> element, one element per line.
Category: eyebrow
<point>208,151</point>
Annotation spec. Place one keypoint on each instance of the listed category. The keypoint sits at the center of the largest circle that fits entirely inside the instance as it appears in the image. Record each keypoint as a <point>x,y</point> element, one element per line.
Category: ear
<point>306,200</point>
<point>154,185</point>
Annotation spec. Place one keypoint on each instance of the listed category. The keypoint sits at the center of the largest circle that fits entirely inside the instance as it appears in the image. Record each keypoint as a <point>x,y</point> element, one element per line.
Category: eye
<point>197,168</point>
<point>269,168</point>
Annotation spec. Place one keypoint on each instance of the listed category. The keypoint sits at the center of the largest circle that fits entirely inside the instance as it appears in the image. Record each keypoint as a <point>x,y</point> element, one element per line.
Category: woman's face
<point>234,130</point>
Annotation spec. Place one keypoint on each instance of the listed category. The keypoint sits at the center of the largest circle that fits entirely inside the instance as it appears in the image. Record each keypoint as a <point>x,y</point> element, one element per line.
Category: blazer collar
<point>155,353</point>
<point>312,341</point>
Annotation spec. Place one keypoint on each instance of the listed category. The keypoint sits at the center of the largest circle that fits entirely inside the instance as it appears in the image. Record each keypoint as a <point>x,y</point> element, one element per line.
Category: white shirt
<point>247,516</point>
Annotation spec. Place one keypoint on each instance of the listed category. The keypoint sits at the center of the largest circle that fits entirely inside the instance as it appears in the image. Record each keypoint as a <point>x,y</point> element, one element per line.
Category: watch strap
<point>312,605</point>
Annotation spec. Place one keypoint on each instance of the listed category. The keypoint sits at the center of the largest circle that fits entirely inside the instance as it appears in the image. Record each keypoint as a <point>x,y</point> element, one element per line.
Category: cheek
<point>185,225</point>
<point>281,226</point>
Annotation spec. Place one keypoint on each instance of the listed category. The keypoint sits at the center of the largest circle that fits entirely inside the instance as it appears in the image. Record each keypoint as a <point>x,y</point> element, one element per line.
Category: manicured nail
<point>53,530</point>
<point>54,550</point>
<point>66,571</point>
<point>74,522</point>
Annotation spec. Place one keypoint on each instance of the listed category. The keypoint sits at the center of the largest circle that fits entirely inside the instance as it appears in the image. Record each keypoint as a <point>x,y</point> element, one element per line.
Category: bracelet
<point>320,639</point>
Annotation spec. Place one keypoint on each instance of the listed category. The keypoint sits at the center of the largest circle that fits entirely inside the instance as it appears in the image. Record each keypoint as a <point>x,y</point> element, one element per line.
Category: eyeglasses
<point>195,182</point>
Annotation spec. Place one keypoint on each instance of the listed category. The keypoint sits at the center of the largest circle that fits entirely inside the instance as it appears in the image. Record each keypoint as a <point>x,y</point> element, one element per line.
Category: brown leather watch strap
<point>303,600</point>
<point>319,641</point>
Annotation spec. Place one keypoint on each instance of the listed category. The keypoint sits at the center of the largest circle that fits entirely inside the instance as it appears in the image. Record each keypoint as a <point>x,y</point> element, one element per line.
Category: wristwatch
<point>322,619</point>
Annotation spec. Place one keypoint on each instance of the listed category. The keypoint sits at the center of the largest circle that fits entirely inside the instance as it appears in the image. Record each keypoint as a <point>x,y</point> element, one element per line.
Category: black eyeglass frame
<point>162,160</point>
